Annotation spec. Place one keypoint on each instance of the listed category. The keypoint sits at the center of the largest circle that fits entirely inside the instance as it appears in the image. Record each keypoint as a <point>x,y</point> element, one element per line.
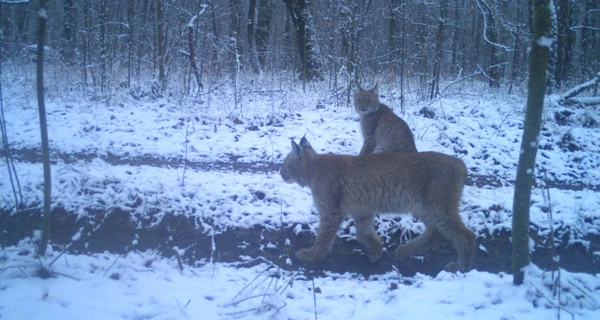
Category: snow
<point>112,138</point>
<point>145,286</point>
<point>545,41</point>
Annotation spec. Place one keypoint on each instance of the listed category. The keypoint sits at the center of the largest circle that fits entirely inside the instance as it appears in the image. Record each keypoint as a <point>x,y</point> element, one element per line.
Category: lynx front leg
<point>328,227</point>
<point>368,147</point>
<point>365,232</point>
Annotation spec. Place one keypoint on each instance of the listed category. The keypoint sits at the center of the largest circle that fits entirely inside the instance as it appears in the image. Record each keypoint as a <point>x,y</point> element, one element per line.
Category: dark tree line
<point>180,46</point>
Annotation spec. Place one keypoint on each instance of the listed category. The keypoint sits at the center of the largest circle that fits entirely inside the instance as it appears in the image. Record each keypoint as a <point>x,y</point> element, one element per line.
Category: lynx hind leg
<point>328,227</point>
<point>366,235</point>
<point>419,244</point>
<point>444,200</point>
<point>463,240</point>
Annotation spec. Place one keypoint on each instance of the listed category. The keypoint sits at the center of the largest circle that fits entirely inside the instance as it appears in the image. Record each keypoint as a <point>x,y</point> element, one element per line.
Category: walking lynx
<point>427,184</point>
<point>382,130</point>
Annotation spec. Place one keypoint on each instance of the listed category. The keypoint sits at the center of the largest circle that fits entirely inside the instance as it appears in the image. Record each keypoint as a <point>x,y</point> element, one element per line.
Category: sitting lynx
<point>427,184</point>
<point>382,130</point>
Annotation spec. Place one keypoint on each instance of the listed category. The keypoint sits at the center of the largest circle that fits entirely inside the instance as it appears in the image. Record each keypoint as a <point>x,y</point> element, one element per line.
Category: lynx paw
<point>374,255</point>
<point>455,267</point>
<point>306,255</point>
<point>403,251</point>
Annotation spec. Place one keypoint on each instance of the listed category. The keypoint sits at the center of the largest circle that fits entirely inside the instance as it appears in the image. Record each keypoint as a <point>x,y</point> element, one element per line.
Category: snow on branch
<point>582,102</point>
<point>567,97</point>
<point>14,1</point>
<point>195,17</point>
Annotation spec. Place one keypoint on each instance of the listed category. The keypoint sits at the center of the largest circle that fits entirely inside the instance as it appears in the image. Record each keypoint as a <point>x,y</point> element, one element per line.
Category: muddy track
<point>257,167</point>
<point>116,232</point>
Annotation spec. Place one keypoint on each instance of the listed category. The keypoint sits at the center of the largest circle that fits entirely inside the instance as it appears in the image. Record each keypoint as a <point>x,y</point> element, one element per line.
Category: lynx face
<point>382,130</point>
<point>287,172</point>
<point>295,162</point>
<point>366,101</point>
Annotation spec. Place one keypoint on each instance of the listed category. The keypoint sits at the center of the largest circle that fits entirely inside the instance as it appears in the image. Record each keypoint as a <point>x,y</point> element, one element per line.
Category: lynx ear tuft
<point>304,143</point>
<point>296,150</point>
<point>358,86</point>
<point>375,88</point>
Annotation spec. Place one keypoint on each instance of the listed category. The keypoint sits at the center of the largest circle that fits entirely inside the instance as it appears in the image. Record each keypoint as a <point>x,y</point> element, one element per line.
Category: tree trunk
<point>161,44</point>
<point>515,58</point>
<point>435,83</point>
<point>235,32</point>
<point>130,40</point>
<point>306,41</point>
<point>192,53</point>
<point>538,64</point>
<point>42,21</point>
<point>250,27</point>
<point>491,36</point>
<point>565,41</point>
<point>103,51</point>
<point>454,64</point>
<point>69,29</point>
<point>263,30</point>
<point>85,43</point>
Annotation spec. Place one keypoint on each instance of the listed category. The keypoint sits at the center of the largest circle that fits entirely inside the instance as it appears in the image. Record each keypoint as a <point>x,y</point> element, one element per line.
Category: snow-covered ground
<point>101,150</point>
<point>141,285</point>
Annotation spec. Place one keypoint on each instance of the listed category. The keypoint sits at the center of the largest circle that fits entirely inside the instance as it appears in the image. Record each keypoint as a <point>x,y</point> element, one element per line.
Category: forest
<point>184,47</point>
<point>143,141</point>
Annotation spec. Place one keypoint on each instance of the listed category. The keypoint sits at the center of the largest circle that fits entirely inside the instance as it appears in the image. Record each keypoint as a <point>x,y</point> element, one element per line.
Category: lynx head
<point>295,164</point>
<point>366,101</point>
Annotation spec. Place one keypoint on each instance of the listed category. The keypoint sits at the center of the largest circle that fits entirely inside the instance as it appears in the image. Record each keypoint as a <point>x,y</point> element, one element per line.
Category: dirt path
<point>116,232</point>
<point>34,156</point>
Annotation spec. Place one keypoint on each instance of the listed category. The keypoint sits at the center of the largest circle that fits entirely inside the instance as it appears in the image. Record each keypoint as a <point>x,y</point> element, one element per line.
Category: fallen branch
<point>579,89</point>
<point>581,102</point>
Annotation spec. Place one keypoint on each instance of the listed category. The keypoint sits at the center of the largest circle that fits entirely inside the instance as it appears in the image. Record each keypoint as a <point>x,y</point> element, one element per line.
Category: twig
<point>558,306</point>
<point>60,254</point>
<point>291,280</point>
<point>107,270</point>
<point>552,244</point>
<point>586,293</point>
<point>23,272</point>
<point>314,297</point>
<point>235,303</point>
<point>179,262</point>
<point>244,288</point>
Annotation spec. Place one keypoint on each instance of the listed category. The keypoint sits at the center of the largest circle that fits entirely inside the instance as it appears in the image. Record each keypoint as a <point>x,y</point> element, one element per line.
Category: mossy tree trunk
<point>538,65</point>
<point>42,21</point>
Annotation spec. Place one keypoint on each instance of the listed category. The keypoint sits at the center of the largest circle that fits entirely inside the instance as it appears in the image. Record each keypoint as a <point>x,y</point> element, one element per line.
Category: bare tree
<point>538,64</point>
<point>69,29</point>
<point>116,41</point>
<point>435,83</point>
<point>161,45</point>
<point>306,42</point>
<point>236,49</point>
<point>42,22</point>
<point>130,39</point>
<point>191,26</point>
<point>251,22</point>
<point>491,36</point>
<point>565,42</point>
<point>263,30</point>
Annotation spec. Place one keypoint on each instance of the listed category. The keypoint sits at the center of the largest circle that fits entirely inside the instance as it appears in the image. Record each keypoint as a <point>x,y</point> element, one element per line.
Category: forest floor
<point>174,207</point>
<point>113,230</point>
